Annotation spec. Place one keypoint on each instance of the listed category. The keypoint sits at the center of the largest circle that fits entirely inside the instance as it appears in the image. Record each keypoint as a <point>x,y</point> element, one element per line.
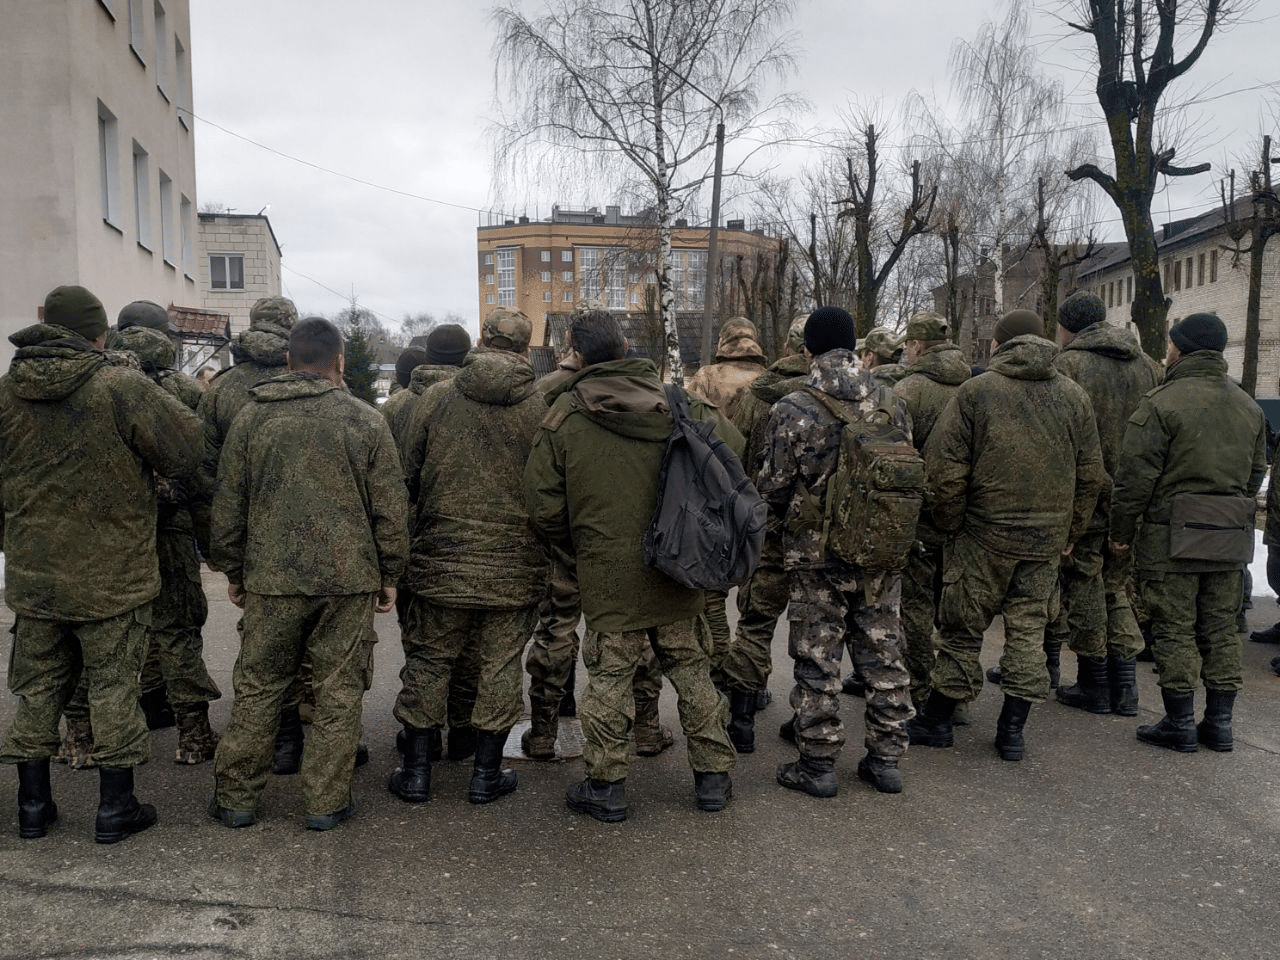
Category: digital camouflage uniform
<point>1196,433</point>
<point>310,517</point>
<point>81,432</point>
<point>591,488</point>
<point>1013,469</point>
<point>929,385</point>
<point>476,570</point>
<point>829,599</point>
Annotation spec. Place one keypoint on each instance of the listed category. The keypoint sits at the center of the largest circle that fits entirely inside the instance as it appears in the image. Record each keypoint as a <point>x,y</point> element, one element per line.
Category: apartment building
<point>97,165</point>
<point>239,264</point>
<point>542,267</point>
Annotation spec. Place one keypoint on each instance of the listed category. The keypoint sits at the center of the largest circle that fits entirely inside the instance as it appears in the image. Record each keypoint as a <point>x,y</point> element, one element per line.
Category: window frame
<point>227,258</point>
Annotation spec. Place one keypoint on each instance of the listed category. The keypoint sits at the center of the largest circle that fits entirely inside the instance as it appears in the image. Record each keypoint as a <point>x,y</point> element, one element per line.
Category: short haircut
<point>314,342</point>
<point>596,336</point>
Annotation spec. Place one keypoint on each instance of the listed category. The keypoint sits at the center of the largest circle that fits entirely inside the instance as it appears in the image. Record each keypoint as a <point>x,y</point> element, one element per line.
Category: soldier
<point>830,599</point>
<point>591,488</point>
<point>880,354</point>
<point>763,599</point>
<point>476,570</point>
<point>1192,460</point>
<point>1014,469</point>
<point>935,369</point>
<point>438,358</point>
<point>1109,364</point>
<point>79,439</point>
<point>309,527</point>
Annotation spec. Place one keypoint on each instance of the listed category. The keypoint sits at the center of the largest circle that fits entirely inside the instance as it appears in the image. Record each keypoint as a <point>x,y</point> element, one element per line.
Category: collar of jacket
<point>1201,363</point>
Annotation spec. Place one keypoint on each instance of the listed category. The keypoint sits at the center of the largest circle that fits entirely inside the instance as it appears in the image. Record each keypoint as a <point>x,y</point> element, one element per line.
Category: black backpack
<point>708,527</point>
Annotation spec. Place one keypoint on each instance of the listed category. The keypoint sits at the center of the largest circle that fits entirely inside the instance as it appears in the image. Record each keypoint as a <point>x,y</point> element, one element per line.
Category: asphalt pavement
<point>1095,846</point>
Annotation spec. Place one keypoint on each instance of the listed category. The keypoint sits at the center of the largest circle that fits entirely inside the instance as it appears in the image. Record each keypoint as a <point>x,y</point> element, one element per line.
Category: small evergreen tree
<point>360,373</point>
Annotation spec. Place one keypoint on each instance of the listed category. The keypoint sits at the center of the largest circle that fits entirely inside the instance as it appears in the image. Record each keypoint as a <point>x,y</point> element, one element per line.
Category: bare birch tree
<point>632,90</point>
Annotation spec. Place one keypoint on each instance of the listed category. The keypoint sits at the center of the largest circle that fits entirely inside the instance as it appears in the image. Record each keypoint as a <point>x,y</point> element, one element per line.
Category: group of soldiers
<point>486,506</point>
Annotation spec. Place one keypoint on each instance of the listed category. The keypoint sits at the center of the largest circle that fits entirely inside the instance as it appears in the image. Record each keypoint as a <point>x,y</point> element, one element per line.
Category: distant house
<point>239,264</point>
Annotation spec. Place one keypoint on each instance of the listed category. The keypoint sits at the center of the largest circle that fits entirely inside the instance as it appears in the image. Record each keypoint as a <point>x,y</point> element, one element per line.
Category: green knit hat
<point>76,309</point>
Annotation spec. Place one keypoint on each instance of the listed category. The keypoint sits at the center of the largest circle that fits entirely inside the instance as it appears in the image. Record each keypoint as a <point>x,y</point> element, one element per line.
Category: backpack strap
<point>840,411</point>
<point>678,401</point>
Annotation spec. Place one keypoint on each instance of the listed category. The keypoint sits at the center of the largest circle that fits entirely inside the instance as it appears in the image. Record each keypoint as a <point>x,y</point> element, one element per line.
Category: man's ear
<point>288,360</point>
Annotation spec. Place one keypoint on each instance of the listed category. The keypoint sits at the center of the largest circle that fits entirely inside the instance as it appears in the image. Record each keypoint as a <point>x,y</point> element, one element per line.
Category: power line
<point>344,296</point>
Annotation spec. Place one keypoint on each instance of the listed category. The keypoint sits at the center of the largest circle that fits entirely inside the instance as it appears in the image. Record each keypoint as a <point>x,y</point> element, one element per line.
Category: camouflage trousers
<point>1193,619</point>
<point>47,661</point>
<point>465,676</point>
<point>831,607</point>
<point>715,618</point>
<point>607,709</point>
<point>554,648</point>
<point>1095,617</point>
<point>278,632</point>
<point>436,637</point>
<point>921,597</point>
<point>978,584</point>
<point>762,600</point>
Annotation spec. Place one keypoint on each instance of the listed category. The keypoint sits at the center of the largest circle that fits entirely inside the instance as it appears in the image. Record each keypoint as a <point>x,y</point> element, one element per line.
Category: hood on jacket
<point>776,382</point>
<point>153,349</point>
<point>1201,363</point>
<point>943,364</point>
<point>292,386</point>
<point>739,341</point>
<point>1025,357</point>
<point>625,397</point>
<point>496,377</point>
<point>51,362</point>
<point>428,374</point>
<point>264,343</point>
<point>838,373</point>
<point>1117,343</point>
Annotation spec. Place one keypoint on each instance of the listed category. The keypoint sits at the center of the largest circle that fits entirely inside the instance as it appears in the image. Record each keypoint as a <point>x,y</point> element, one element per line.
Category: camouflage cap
<point>277,310</point>
<point>881,341</point>
<point>795,336</point>
<point>506,330</point>
<point>927,325</point>
<point>145,313</point>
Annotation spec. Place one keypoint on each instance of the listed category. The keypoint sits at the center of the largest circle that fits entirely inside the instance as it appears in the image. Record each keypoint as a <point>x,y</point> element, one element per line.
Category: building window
<point>186,216</point>
<point>568,296</point>
<point>1213,266</point>
<point>226,271</point>
<point>1168,277</point>
<point>142,195</point>
<point>602,276</point>
<point>109,165</point>
<point>635,298</point>
<point>688,278</point>
<point>546,276</point>
<point>164,78</point>
<point>488,279</point>
<point>488,299</point>
<point>1111,289</point>
<point>137,34</point>
<point>488,259</point>
<point>507,277</point>
<point>168,230</point>
<point>546,296</point>
<point>567,276</point>
<point>1188,273</point>
<point>183,80</point>
<point>546,256</point>
<point>1177,275</point>
<point>1200,270</point>
<point>634,277</point>
<point>1128,290</point>
<point>566,256</point>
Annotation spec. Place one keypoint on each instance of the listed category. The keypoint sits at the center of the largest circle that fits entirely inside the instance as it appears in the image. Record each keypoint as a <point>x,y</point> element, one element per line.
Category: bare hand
<point>386,600</point>
<point>236,593</point>
<point>1119,548</point>
<point>1067,552</point>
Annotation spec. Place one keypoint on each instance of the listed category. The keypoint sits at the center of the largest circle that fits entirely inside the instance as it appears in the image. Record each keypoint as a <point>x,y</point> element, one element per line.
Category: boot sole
<point>1176,747</point>
<point>604,816</point>
<point>36,832</point>
<point>115,836</point>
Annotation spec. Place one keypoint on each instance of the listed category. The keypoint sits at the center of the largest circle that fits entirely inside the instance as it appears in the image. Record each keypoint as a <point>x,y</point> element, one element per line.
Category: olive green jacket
<point>591,485</point>
<point>752,416</point>
<point>310,500</point>
<point>1014,458</point>
<point>471,541</point>
<point>80,441</point>
<point>1195,433</point>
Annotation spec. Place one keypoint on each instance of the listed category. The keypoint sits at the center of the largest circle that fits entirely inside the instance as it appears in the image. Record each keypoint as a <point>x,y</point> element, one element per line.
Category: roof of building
<point>210,217</point>
<point>205,325</point>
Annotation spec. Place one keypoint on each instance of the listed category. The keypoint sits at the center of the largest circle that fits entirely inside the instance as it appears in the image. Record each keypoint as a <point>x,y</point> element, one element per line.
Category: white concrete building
<point>97,161</point>
<point>239,264</point>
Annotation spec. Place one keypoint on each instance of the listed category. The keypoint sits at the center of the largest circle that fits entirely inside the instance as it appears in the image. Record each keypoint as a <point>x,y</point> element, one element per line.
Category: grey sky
<point>397,93</point>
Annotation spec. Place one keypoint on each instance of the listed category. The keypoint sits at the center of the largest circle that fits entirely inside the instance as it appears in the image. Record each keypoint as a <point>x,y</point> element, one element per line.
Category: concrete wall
<point>249,236</point>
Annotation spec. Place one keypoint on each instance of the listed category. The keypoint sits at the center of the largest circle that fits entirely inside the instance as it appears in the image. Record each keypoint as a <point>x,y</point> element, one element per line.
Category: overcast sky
<point>299,100</point>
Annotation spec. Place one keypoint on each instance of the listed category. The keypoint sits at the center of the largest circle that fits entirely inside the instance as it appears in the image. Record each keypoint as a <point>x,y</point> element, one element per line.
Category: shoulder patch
<point>555,416</point>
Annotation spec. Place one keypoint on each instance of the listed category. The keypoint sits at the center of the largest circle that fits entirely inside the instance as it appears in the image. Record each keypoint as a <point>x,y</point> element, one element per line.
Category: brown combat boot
<point>196,739</point>
<point>650,736</point>
<point>77,744</point>
<point>539,741</point>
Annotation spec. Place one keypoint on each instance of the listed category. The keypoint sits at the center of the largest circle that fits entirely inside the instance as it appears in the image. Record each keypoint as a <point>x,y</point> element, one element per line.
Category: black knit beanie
<point>448,344</point>
<point>1081,310</point>
<point>829,328</point>
<point>1200,331</point>
<point>1016,323</point>
<point>409,358</point>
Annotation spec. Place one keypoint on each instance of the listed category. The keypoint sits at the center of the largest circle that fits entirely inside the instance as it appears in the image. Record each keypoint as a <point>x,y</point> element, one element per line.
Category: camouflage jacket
<point>399,406</point>
<point>471,541</point>
<point>1014,458</point>
<point>259,353</point>
<point>309,499</point>
<point>80,439</point>
<point>591,485</point>
<point>1195,433</point>
<point>888,374</point>
<point>724,382</point>
<point>752,416</point>
<point>804,445</point>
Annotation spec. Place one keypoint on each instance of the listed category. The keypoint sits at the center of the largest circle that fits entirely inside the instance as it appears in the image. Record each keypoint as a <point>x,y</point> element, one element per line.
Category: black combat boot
<point>539,741</point>
<point>931,727</point>
<point>36,809</point>
<point>1092,689</point>
<point>1053,661</point>
<point>1121,672</point>
<point>1013,717</point>
<point>742,720</point>
<point>607,802</point>
<point>881,772</point>
<point>488,780</point>
<point>994,675</point>
<point>1177,729</point>
<point>816,777</point>
<point>462,743</point>
<point>1214,731</point>
<point>712,790</point>
<point>569,702</point>
<point>156,708</point>
<point>411,781</point>
<point>1270,635</point>
<point>119,813</point>
<point>287,759</point>
<point>787,729</point>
